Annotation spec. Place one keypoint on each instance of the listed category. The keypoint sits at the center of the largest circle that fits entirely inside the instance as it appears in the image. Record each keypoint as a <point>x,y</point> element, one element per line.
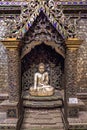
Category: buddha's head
<point>41,67</point>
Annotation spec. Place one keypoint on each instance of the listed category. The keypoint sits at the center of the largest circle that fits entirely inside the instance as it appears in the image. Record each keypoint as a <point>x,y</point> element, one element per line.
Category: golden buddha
<point>41,83</point>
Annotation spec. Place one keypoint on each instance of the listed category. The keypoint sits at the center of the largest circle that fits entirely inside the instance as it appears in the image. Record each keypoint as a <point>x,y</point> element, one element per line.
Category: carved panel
<point>82,68</point>
<point>13,69</point>
<point>3,69</point>
<point>73,112</point>
<point>71,73</point>
<point>42,30</point>
<point>12,113</point>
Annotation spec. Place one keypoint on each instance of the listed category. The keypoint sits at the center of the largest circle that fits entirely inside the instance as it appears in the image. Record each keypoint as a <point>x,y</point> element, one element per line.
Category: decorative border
<point>54,15</point>
<point>11,43</point>
<point>19,3</point>
<point>52,19</point>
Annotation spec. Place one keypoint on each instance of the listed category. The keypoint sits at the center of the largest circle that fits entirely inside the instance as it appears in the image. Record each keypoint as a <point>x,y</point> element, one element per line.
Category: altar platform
<point>43,113</point>
<point>53,101</point>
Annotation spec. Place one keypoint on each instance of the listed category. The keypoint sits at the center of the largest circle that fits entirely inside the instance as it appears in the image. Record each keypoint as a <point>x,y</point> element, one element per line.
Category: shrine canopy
<point>21,24</point>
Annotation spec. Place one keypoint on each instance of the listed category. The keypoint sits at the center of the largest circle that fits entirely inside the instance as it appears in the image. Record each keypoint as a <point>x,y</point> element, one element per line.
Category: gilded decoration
<point>17,26</point>
<point>73,43</point>
<point>11,43</point>
<point>43,31</point>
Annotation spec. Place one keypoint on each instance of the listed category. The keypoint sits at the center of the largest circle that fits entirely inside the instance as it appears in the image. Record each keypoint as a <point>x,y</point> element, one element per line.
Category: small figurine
<point>41,83</point>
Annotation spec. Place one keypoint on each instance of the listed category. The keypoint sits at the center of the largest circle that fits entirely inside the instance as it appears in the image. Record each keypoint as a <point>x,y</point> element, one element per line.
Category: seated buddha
<point>41,83</point>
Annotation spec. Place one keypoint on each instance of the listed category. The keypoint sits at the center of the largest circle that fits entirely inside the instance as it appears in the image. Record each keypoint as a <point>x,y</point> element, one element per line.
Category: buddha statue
<point>41,83</point>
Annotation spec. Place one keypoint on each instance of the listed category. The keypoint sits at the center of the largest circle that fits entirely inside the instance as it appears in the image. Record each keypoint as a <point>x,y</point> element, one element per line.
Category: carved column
<point>72,45</point>
<point>13,69</point>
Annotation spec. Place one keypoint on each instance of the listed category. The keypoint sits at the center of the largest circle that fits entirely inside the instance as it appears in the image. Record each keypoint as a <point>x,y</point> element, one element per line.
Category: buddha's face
<point>41,69</point>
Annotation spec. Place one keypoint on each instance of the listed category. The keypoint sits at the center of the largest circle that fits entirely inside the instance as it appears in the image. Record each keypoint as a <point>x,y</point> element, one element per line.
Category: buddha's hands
<point>45,83</point>
<point>41,84</point>
<point>35,88</point>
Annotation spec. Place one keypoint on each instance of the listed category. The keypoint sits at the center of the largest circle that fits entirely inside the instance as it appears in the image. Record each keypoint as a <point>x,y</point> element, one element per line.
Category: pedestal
<point>73,108</point>
<point>40,102</point>
<point>11,109</point>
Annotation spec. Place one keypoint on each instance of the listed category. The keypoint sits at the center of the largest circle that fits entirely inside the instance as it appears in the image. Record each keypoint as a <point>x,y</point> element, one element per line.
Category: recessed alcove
<point>54,64</point>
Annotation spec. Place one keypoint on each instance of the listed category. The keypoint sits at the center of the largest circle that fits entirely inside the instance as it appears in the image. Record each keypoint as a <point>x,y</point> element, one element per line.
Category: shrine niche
<point>54,66</point>
<point>42,43</point>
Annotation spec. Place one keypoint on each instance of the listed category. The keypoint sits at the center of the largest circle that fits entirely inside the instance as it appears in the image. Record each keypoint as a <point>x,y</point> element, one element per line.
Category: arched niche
<point>42,43</point>
<point>54,63</point>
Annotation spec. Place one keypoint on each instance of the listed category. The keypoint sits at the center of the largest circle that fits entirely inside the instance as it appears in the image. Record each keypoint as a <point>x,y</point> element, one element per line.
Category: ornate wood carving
<point>43,31</point>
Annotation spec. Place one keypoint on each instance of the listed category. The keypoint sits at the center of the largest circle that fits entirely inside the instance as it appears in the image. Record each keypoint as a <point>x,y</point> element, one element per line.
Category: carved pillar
<point>72,45</point>
<point>13,69</point>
